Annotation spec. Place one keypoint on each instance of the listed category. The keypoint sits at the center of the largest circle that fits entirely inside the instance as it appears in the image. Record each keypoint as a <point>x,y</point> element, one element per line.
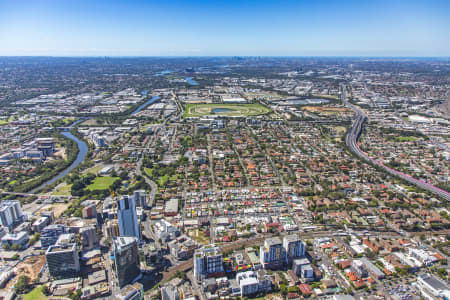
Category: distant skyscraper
<point>128,222</point>
<point>126,258</point>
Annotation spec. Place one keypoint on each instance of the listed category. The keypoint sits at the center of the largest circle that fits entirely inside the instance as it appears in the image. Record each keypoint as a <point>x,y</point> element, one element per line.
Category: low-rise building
<point>133,291</point>
<point>16,239</point>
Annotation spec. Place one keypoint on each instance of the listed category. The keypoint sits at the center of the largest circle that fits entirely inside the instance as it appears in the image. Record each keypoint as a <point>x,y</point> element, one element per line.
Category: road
<point>151,183</point>
<point>351,140</point>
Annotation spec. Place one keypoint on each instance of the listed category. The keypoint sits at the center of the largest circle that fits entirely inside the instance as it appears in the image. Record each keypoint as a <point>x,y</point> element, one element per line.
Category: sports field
<point>227,110</point>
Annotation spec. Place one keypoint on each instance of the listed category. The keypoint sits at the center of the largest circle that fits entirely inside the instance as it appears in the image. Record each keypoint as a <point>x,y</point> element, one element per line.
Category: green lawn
<point>101,183</point>
<point>94,169</point>
<point>35,294</point>
<point>199,236</point>
<point>148,171</point>
<point>406,138</point>
<point>230,110</point>
<point>174,177</point>
<point>4,122</point>
<point>163,180</point>
<point>63,190</point>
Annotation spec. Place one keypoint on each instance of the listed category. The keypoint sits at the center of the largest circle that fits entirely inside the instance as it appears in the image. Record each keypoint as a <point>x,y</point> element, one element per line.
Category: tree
<point>22,285</point>
<point>45,290</point>
<point>16,247</point>
<point>283,289</point>
<point>76,295</point>
<point>442,273</point>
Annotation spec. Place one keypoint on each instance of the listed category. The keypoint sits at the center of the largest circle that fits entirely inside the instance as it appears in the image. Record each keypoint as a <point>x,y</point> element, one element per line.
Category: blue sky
<point>196,28</point>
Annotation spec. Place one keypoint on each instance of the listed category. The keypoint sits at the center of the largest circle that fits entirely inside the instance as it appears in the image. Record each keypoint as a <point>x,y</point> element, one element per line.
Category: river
<point>147,103</point>
<point>82,152</point>
<point>191,81</point>
<point>82,147</point>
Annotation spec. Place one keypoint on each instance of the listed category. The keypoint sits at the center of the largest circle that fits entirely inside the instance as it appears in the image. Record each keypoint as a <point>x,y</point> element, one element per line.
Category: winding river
<point>82,146</point>
<point>82,152</point>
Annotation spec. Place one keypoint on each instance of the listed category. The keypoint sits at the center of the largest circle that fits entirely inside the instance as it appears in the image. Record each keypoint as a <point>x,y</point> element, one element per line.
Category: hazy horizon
<point>328,28</point>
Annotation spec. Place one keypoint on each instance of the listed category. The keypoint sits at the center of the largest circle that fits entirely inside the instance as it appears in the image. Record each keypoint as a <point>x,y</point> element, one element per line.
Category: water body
<point>219,110</point>
<point>162,73</point>
<point>311,101</point>
<point>82,147</point>
<point>82,151</point>
<point>147,103</point>
<point>191,81</point>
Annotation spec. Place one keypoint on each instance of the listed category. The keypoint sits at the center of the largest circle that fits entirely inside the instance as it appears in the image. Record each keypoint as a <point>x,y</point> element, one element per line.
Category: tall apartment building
<point>251,282</point>
<point>293,247</point>
<point>62,258</point>
<point>126,259</point>
<point>10,213</point>
<point>111,228</point>
<point>89,211</point>
<point>208,262</point>
<point>272,254</point>
<point>128,222</point>
<point>140,197</point>
<point>50,234</point>
<point>89,237</point>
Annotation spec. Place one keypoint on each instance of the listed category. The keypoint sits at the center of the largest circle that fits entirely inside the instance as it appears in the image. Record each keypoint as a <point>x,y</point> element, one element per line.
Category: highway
<point>351,140</point>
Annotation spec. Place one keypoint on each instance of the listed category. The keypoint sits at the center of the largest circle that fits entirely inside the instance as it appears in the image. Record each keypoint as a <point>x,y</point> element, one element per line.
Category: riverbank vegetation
<point>22,179</point>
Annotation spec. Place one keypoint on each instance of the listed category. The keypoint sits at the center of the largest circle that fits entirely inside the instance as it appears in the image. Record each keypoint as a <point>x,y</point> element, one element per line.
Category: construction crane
<point>114,203</point>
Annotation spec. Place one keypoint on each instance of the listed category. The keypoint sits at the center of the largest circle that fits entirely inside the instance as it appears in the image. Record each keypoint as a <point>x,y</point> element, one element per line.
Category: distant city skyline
<point>225,28</point>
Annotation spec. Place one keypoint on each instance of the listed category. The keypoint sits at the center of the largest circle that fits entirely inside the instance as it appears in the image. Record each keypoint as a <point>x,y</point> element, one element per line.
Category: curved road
<point>351,140</point>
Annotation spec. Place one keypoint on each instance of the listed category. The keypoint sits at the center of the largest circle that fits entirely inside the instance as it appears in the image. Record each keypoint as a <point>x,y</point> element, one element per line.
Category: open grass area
<point>148,171</point>
<point>226,110</point>
<point>405,139</point>
<point>340,129</point>
<point>3,122</point>
<point>327,110</point>
<point>174,177</point>
<point>94,169</point>
<point>163,180</point>
<point>199,236</point>
<point>101,183</point>
<point>62,190</point>
<point>35,294</point>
